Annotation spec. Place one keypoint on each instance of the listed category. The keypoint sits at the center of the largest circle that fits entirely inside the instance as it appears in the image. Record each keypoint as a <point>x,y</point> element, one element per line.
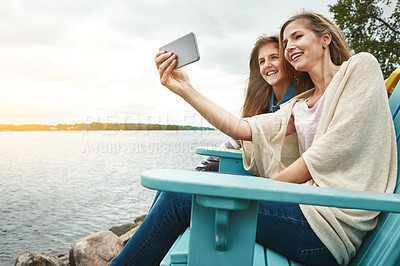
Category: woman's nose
<point>267,63</point>
<point>264,66</point>
<point>289,47</point>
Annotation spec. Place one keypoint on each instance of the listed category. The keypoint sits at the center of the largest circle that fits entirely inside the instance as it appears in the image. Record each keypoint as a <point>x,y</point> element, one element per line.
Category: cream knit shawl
<point>354,148</point>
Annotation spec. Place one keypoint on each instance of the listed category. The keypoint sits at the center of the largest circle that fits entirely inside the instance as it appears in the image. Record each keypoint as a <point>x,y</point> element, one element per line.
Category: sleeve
<point>262,156</point>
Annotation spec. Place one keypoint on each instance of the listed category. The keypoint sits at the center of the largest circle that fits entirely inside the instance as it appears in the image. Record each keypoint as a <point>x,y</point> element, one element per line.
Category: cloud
<point>64,61</point>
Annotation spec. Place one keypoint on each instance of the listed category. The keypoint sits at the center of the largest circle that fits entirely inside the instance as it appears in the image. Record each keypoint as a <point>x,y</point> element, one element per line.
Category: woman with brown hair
<point>268,87</point>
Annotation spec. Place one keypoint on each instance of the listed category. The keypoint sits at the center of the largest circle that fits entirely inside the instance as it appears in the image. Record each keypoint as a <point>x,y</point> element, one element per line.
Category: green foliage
<point>368,28</point>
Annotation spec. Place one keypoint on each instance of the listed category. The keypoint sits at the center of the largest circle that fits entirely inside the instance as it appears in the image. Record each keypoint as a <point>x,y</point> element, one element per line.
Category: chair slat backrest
<point>381,246</point>
<point>392,80</point>
<point>394,103</point>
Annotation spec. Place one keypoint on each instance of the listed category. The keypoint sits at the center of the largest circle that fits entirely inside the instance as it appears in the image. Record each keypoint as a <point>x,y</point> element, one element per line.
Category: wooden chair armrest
<point>230,160</point>
<point>256,188</point>
<point>219,152</point>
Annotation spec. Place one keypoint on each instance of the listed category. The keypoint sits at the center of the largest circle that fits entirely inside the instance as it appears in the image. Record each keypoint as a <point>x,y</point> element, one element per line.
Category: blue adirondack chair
<point>224,211</point>
<point>392,80</point>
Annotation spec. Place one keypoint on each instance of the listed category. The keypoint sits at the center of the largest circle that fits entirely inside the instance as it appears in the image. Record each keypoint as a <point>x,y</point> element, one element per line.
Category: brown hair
<point>258,92</point>
<point>339,49</point>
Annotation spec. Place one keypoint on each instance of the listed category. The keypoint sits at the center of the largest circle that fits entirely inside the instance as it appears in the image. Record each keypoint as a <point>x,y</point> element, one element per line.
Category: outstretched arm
<point>177,81</point>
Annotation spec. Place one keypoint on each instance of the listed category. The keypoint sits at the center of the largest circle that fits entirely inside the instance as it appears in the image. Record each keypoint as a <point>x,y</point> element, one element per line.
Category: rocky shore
<point>96,249</point>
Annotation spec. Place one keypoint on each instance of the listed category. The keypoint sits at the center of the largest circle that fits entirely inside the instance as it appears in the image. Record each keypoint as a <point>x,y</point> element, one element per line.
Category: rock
<point>140,219</point>
<point>96,249</point>
<point>125,228</point>
<point>120,230</point>
<point>64,260</point>
<point>125,237</point>
<point>29,258</point>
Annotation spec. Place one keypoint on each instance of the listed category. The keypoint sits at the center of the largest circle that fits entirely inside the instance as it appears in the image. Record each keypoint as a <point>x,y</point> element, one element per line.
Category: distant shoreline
<point>97,127</point>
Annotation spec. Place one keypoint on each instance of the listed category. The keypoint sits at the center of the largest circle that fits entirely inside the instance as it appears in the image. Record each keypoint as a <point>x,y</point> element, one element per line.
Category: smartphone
<point>185,48</point>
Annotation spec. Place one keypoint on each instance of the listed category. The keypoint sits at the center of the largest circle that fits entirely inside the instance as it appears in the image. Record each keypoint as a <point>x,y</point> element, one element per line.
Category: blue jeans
<point>280,226</point>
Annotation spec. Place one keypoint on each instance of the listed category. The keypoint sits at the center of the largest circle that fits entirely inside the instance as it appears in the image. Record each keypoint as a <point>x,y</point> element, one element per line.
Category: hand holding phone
<point>185,49</point>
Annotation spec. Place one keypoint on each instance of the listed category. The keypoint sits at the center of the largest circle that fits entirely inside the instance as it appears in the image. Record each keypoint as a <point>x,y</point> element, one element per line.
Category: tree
<point>368,29</point>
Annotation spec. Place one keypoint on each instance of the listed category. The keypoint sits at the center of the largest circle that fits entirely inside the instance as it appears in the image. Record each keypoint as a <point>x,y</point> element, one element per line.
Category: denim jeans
<point>281,227</point>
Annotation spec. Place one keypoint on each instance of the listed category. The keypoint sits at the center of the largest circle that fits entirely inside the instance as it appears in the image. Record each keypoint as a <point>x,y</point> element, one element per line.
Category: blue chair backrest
<point>394,103</point>
<point>382,246</point>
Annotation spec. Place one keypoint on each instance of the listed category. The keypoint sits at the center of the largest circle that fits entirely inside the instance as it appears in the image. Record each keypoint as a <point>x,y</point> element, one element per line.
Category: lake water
<point>56,187</point>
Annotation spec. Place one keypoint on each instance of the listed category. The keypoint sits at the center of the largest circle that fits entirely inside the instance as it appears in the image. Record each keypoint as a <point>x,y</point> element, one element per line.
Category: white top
<point>306,121</point>
<point>355,122</point>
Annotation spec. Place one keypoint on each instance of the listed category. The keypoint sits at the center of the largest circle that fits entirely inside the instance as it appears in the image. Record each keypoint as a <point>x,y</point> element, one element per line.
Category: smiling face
<point>303,48</point>
<point>270,65</point>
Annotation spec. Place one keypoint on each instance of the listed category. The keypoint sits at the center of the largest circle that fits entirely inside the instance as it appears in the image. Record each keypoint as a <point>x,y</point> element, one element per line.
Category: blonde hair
<point>339,49</point>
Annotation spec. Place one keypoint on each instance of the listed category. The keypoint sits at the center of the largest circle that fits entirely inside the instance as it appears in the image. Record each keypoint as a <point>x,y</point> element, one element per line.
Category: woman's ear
<point>326,38</point>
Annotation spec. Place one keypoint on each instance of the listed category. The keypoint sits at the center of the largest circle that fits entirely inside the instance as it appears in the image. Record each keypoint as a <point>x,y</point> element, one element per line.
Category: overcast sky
<point>70,61</point>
